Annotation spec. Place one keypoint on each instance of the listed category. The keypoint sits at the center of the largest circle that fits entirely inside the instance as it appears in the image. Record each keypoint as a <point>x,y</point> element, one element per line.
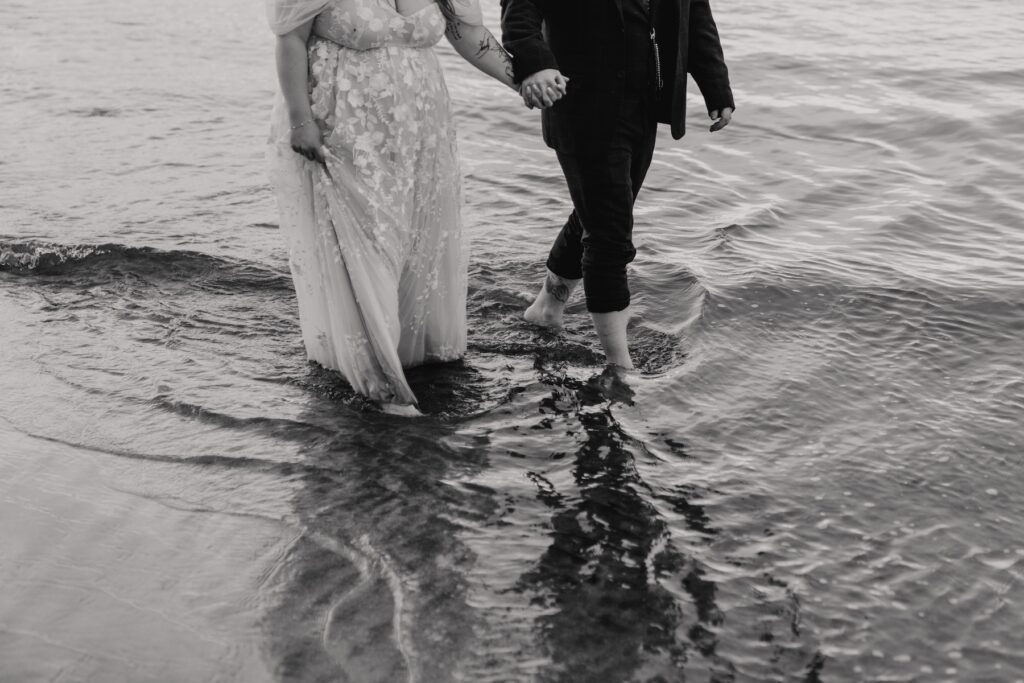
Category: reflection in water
<point>374,588</point>
<point>378,587</point>
<point>611,617</point>
<point>607,577</point>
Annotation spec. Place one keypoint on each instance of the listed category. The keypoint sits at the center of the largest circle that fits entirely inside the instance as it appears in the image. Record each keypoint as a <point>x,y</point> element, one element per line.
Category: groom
<point>606,72</point>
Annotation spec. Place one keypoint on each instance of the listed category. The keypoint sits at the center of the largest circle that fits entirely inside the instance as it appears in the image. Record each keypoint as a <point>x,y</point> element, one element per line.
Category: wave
<point>36,258</point>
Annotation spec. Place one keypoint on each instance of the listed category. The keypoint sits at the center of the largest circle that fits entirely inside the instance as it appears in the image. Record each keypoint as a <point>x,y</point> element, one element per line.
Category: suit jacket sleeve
<point>523,36</point>
<point>705,59</point>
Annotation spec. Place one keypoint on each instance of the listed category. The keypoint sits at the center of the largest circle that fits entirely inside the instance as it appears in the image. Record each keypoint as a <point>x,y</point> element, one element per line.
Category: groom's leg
<point>604,186</point>
<point>602,191</point>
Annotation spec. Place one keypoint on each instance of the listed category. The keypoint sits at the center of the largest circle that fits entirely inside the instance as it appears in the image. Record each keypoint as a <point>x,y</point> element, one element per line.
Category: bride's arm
<point>293,74</point>
<point>480,48</point>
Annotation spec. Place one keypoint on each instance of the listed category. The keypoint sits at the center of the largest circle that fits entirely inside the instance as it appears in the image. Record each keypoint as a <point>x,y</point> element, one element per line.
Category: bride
<point>364,165</point>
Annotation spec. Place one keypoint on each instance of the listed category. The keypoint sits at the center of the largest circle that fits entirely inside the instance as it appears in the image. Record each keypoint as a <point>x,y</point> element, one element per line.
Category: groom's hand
<point>543,88</point>
<point>720,120</point>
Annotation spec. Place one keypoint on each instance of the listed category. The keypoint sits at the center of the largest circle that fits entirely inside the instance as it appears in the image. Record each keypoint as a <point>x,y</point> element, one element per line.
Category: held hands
<point>307,141</point>
<point>543,88</point>
<point>720,120</point>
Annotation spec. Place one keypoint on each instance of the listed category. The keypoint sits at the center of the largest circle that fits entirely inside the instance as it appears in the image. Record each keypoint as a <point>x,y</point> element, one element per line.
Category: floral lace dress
<point>374,236</point>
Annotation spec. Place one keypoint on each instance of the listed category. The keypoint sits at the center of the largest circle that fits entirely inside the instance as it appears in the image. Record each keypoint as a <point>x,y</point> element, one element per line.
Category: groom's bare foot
<point>548,309</point>
<point>544,316</point>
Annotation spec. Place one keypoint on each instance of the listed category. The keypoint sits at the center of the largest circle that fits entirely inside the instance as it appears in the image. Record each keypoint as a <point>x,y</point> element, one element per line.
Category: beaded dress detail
<point>374,236</point>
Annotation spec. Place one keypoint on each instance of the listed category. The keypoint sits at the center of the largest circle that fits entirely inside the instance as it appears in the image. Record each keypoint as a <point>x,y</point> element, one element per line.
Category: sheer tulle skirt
<point>374,236</point>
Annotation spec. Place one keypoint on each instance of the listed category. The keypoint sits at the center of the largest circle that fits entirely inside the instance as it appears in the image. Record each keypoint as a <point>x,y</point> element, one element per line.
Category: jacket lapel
<point>618,9</point>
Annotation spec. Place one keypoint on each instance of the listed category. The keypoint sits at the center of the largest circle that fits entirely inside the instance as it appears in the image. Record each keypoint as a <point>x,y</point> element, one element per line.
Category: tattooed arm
<point>481,49</point>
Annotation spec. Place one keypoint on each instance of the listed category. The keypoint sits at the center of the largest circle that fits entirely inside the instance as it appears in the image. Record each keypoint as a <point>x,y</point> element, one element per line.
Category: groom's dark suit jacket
<point>586,41</point>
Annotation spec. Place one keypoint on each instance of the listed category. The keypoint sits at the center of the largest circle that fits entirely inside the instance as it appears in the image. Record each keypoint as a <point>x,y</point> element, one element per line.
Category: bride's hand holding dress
<point>307,141</point>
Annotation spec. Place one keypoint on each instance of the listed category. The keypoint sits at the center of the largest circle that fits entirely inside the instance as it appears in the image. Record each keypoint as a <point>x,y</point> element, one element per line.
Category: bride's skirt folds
<point>374,236</point>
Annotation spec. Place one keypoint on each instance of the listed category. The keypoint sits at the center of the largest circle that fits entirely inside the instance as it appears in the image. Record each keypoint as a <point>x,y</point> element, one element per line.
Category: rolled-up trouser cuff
<point>606,289</point>
<point>607,305</point>
<point>562,269</point>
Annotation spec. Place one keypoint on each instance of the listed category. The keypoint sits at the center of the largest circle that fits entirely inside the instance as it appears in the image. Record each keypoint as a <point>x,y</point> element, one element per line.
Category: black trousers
<point>596,243</point>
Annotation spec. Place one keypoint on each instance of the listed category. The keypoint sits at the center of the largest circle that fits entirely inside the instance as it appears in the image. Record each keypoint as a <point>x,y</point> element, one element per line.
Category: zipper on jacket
<point>657,57</point>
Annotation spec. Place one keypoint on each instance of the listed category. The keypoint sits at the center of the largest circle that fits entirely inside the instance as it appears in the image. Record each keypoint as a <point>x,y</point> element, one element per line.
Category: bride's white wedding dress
<point>374,236</point>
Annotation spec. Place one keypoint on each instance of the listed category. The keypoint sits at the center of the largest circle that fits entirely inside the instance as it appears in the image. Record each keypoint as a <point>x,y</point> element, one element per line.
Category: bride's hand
<point>543,88</point>
<point>306,140</point>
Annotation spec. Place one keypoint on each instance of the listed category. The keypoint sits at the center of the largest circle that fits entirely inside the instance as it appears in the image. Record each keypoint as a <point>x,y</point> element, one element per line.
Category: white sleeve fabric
<point>287,15</point>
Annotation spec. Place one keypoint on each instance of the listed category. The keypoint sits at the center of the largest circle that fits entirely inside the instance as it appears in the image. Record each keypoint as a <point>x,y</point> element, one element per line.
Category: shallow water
<point>816,478</point>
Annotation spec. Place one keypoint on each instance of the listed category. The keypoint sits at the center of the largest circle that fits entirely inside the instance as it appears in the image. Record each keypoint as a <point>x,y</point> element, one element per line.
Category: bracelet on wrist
<point>300,125</point>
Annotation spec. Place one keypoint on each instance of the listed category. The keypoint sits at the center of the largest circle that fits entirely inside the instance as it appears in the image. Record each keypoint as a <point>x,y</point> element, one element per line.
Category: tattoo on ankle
<point>556,288</point>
